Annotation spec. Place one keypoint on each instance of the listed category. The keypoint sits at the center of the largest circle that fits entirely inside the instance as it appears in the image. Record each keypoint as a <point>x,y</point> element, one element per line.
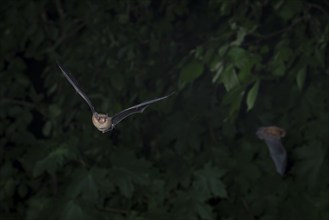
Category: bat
<point>272,136</point>
<point>103,122</point>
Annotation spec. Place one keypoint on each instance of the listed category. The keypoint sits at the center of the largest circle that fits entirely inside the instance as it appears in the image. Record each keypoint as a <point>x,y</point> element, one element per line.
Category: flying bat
<point>272,136</point>
<point>103,122</point>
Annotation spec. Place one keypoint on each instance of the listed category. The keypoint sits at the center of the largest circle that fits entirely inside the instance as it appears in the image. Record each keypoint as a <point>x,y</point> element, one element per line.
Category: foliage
<point>234,65</point>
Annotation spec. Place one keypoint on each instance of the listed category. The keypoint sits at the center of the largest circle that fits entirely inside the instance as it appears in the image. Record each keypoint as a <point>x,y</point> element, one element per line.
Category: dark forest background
<point>235,66</point>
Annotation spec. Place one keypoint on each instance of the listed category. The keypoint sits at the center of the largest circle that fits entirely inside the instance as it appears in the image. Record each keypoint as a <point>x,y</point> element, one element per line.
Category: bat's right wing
<point>117,118</point>
<point>76,86</point>
<point>272,137</point>
<point>278,154</point>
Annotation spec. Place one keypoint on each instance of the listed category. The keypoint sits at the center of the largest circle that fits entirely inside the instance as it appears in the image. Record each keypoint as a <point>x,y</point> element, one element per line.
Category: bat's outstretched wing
<point>117,118</point>
<point>278,154</point>
<point>76,86</point>
<point>272,137</point>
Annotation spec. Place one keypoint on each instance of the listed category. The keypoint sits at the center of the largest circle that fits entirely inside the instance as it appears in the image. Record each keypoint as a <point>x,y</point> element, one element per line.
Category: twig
<point>18,102</point>
<point>311,5</point>
<point>65,32</point>
<point>60,9</point>
<point>262,37</point>
<point>63,37</point>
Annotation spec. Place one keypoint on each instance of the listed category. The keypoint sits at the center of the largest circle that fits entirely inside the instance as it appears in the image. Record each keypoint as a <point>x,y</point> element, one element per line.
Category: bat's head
<point>102,122</point>
<point>271,132</point>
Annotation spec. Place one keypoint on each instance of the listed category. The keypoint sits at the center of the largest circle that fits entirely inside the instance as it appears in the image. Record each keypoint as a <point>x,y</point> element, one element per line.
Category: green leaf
<point>252,95</point>
<point>282,59</point>
<point>190,72</point>
<point>219,68</point>
<point>311,158</point>
<point>237,54</point>
<point>208,179</point>
<point>83,184</point>
<point>244,61</point>
<point>279,69</point>
<point>72,211</point>
<point>123,18</point>
<point>54,111</point>
<point>301,75</point>
<point>241,33</point>
<point>53,160</point>
<point>229,78</point>
<point>46,129</point>
<point>36,205</point>
<point>204,211</point>
<point>290,9</point>
<point>233,101</point>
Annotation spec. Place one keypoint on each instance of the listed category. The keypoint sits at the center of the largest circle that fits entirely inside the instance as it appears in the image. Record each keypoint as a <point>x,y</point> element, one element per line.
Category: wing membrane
<point>117,118</point>
<point>76,86</point>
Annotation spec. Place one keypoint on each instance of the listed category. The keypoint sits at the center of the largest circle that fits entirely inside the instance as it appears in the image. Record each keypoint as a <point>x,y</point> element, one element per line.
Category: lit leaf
<point>229,78</point>
<point>252,95</point>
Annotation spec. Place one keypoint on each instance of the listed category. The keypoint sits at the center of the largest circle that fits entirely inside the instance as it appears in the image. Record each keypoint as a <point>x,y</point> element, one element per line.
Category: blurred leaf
<point>53,160</point>
<point>47,128</point>
<point>72,211</point>
<point>252,95</point>
<point>290,9</point>
<point>36,205</point>
<point>219,69</point>
<point>229,78</point>
<point>311,160</point>
<point>208,179</point>
<point>204,211</point>
<point>54,111</point>
<point>240,37</point>
<point>83,184</point>
<point>190,72</point>
<point>301,75</point>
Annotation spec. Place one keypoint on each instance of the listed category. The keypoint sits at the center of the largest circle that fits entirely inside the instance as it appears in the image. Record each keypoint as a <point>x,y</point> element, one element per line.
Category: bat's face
<point>102,122</point>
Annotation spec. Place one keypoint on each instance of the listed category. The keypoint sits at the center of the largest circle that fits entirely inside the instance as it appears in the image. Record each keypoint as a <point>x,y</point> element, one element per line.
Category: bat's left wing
<point>117,118</point>
<point>76,86</point>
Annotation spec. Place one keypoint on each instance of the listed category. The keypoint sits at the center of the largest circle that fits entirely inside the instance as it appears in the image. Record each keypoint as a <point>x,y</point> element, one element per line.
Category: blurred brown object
<point>272,136</point>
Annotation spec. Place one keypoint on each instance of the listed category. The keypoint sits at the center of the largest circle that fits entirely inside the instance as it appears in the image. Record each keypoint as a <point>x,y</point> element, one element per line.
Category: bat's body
<point>272,136</point>
<point>103,122</point>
